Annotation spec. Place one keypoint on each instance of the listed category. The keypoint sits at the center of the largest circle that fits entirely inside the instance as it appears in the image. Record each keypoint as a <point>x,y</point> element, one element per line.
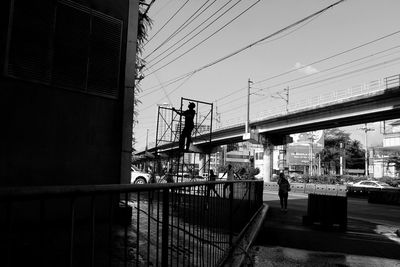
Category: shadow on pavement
<point>286,230</point>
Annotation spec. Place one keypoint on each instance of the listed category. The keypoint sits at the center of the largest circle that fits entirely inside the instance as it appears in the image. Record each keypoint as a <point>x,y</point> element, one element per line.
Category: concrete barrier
<point>342,190</point>
<point>297,188</point>
<point>331,190</point>
<point>320,189</point>
<point>309,188</point>
<point>271,186</point>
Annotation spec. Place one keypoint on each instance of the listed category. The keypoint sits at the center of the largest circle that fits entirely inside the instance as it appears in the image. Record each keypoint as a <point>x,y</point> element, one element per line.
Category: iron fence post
<point>230,214</point>
<point>165,228</point>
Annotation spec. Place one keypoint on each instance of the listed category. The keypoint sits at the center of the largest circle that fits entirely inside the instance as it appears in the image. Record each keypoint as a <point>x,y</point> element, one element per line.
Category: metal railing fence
<point>183,224</point>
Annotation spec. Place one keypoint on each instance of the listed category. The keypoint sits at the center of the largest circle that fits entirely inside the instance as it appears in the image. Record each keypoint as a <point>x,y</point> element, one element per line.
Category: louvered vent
<point>65,44</point>
<point>104,58</point>
<point>29,55</point>
<point>71,44</point>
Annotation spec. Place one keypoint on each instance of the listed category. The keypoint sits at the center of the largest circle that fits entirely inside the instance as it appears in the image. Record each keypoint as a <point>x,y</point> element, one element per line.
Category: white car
<point>139,177</point>
<point>371,184</point>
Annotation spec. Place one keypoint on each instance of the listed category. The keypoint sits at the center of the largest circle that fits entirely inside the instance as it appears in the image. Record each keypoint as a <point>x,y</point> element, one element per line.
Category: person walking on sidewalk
<point>284,188</point>
<point>230,176</point>
<point>212,178</point>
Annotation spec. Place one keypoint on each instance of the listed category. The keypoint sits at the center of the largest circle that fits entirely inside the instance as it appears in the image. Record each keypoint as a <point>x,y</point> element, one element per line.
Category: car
<point>371,184</point>
<point>139,177</point>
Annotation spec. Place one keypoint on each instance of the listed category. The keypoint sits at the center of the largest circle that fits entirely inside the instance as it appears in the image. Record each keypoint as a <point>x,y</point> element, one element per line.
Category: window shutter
<point>71,47</point>
<point>104,57</point>
<point>30,49</point>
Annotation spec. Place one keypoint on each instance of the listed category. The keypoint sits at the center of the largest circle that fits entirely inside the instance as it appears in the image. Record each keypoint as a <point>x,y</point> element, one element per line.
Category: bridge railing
<point>183,224</point>
<point>329,98</point>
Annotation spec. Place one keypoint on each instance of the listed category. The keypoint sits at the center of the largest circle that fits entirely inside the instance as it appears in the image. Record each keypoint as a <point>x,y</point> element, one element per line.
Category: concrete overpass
<point>376,105</point>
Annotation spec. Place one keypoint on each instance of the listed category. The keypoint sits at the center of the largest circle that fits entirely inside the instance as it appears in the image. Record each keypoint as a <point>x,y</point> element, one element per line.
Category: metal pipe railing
<point>185,224</point>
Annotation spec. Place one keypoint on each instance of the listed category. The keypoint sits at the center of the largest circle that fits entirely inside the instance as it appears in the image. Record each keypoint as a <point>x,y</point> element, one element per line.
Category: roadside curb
<point>240,249</point>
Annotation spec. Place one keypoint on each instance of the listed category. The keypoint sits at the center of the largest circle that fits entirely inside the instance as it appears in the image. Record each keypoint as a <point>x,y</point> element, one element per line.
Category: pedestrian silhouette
<point>284,188</point>
<point>169,177</point>
<point>212,178</point>
<point>230,176</point>
<point>189,125</point>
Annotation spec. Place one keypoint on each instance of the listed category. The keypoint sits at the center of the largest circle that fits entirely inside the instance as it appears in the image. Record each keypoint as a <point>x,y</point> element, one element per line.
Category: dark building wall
<point>56,131</point>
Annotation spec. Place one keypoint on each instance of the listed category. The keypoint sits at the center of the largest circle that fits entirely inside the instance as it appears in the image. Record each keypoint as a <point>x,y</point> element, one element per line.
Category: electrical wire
<point>236,108</point>
<point>149,106</point>
<point>191,38</point>
<point>315,62</point>
<point>176,79</point>
<point>196,28</point>
<point>183,26</point>
<point>254,43</point>
<point>166,23</point>
<point>334,67</point>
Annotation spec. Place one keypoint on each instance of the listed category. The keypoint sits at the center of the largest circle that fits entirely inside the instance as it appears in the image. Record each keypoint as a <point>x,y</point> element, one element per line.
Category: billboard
<point>304,144</point>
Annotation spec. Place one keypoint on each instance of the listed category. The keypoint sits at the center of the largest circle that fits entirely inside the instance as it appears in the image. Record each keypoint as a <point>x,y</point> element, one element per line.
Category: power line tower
<point>195,160</point>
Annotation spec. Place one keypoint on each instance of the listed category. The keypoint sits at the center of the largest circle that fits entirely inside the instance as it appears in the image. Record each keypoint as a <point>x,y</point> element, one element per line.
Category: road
<point>369,240</point>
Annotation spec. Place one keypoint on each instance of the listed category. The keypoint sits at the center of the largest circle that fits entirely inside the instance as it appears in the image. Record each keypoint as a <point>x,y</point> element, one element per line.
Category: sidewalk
<point>284,241</point>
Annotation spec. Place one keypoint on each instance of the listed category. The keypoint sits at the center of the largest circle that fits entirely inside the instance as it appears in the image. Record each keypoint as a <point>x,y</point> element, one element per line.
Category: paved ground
<point>369,240</point>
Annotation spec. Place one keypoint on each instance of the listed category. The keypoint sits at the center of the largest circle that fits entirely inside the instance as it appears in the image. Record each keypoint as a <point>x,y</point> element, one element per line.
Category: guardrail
<point>183,224</point>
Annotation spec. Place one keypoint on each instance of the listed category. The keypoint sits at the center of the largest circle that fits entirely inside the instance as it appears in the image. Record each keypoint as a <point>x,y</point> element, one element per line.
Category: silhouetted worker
<point>189,125</point>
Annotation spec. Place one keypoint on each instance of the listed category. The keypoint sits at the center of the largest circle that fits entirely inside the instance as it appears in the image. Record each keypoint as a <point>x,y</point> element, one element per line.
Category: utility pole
<point>247,130</point>
<point>342,163</point>
<point>366,130</point>
<point>311,154</point>
<point>147,138</point>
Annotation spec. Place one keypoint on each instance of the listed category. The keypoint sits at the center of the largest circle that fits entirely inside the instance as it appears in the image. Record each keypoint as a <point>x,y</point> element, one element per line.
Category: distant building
<point>379,166</point>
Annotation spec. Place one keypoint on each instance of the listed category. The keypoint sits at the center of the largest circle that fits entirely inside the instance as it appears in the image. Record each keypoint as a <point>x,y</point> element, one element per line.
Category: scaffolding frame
<point>169,129</point>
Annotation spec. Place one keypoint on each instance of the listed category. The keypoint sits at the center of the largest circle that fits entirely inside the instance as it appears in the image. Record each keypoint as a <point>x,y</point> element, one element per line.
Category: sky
<point>227,43</point>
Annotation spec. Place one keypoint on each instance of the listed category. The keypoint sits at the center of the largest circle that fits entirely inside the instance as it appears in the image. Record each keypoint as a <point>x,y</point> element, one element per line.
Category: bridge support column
<point>268,162</point>
<point>202,164</point>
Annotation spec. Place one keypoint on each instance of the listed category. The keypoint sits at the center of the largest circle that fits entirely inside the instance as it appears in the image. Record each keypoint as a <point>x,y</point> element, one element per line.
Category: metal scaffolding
<point>194,162</point>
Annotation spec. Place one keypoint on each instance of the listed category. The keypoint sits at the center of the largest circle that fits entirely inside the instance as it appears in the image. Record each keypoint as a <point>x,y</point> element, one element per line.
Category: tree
<point>395,160</point>
<point>355,156</point>
<point>144,23</point>
<point>330,155</point>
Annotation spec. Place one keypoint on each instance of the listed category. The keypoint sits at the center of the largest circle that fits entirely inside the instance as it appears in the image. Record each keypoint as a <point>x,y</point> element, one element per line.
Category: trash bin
<point>327,210</point>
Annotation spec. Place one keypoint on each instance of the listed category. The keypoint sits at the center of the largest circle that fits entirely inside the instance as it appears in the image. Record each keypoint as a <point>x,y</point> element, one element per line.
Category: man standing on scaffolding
<point>189,125</point>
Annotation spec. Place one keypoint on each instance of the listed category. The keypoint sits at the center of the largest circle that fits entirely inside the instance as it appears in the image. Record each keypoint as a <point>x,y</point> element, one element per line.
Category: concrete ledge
<point>242,245</point>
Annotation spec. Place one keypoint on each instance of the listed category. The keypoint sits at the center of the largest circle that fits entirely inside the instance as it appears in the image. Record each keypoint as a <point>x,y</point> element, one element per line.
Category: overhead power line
<point>317,62</point>
<point>254,43</point>
<point>313,83</point>
<point>178,78</point>
<point>191,38</point>
<point>192,18</point>
<point>166,23</point>
<point>196,28</point>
